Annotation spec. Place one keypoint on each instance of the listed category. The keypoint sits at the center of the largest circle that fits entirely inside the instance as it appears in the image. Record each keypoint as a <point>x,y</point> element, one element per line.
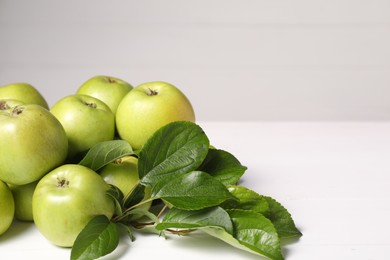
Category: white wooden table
<point>333,177</point>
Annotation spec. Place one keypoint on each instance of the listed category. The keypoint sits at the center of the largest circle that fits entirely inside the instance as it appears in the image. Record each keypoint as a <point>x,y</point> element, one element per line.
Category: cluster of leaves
<point>194,187</point>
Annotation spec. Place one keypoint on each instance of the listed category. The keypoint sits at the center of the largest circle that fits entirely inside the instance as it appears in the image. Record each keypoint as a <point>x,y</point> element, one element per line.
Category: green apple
<point>66,199</point>
<point>7,207</point>
<point>123,173</point>
<point>148,107</point>
<point>32,143</point>
<point>87,121</point>
<point>23,200</point>
<point>110,90</point>
<point>23,92</point>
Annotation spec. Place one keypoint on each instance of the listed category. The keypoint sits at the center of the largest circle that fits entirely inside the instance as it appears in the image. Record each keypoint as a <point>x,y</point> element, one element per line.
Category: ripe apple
<point>32,143</point>
<point>87,121</point>
<point>23,200</point>
<point>110,90</point>
<point>123,173</point>
<point>23,92</point>
<point>7,207</point>
<point>66,199</point>
<point>148,107</point>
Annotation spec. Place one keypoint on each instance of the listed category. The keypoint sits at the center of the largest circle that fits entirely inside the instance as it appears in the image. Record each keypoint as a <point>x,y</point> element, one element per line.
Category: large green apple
<point>66,199</point>
<point>87,121</point>
<point>23,92</point>
<point>123,173</point>
<point>110,90</point>
<point>7,207</point>
<point>148,107</point>
<point>32,142</point>
<point>23,200</point>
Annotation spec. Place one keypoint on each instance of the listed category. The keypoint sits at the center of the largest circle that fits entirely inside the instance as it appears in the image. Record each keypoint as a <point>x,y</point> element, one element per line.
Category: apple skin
<point>23,200</point>
<point>66,199</point>
<point>32,142</point>
<point>7,207</point>
<point>108,89</point>
<point>124,174</point>
<point>148,107</point>
<point>86,120</point>
<point>23,92</point>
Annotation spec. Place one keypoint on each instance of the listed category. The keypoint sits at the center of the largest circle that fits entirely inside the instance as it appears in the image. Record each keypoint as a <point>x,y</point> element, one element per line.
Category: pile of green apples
<point>40,147</point>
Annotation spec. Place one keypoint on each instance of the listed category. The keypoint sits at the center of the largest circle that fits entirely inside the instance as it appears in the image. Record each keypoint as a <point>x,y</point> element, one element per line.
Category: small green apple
<point>7,207</point>
<point>123,173</point>
<point>148,107</point>
<point>23,200</point>
<point>66,199</point>
<point>87,121</point>
<point>23,92</point>
<point>110,90</point>
<point>32,143</point>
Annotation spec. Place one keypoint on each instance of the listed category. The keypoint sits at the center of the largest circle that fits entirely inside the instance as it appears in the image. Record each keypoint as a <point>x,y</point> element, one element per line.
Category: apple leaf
<point>223,166</point>
<point>191,191</point>
<point>269,207</point>
<point>116,194</point>
<point>281,219</point>
<point>99,238</point>
<point>256,232</point>
<point>106,152</point>
<point>178,147</point>
<point>197,219</point>
<point>134,196</point>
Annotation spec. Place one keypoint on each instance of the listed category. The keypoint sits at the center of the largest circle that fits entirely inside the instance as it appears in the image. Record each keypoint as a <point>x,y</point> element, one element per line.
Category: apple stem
<point>93,105</point>
<point>152,92</point>
<point>17,111</point>
<point>111,80</point>
<point>3,105</point>
<point>62,183</point>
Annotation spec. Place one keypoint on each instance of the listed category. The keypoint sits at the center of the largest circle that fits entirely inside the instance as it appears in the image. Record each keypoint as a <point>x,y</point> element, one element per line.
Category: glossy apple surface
<point>86,120</point>
<point>110,90</point>
<point>148,107</point>
<point>23,200</point>
<point>24,92</point>
<point>7,207</point>
<point>66,199</point>
<point>32,143</point>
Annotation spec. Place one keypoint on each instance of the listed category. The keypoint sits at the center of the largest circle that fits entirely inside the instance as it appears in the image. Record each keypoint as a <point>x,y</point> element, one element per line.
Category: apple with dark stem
<point>32,142</point>
<point>86,120</point>
<point>110,90</point>
<point>148,107</point>
<point>66,199</point>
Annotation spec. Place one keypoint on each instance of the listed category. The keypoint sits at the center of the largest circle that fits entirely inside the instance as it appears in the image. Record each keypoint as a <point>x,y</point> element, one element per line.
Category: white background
<point>235,60</point>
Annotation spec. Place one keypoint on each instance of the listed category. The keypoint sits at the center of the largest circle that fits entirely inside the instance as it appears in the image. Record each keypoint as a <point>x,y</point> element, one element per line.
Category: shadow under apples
<point>16,229</point>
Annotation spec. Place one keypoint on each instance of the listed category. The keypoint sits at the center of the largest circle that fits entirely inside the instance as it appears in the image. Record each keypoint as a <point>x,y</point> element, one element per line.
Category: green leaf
<point>223,166</point>
<point>269,207</point>
<point>281,219</point>
<point>106,152</point>
<point>191,191</point>
<point>196,219</point>
<point>256,232</point>
<point>117,195</point>
<point>176,148</point>
<point>99,238</point>
<point>135,196</point>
